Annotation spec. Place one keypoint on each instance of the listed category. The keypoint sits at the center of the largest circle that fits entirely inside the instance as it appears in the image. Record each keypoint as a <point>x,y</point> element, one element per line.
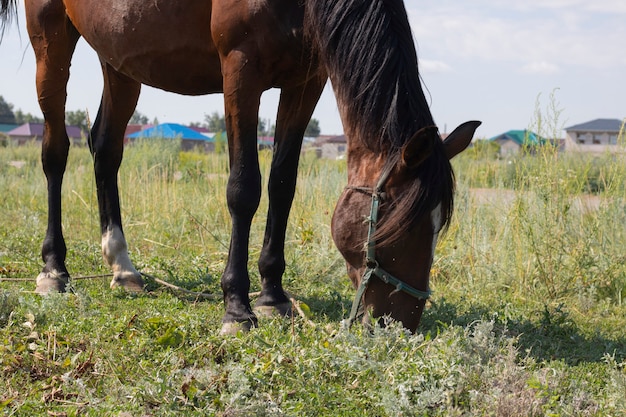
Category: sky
<point>489,60</point>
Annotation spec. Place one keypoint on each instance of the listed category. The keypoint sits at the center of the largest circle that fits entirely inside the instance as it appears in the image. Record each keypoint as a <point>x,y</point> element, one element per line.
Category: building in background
<point>596,136</point>
<point>34,132</point>
<point>331,147</point>
<point>514,141</point>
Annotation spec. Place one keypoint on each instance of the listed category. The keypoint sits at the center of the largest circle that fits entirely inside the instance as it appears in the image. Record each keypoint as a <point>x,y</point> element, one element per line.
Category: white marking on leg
<point>51,281</point>
<point>115,252</point>
<point>53,274</point>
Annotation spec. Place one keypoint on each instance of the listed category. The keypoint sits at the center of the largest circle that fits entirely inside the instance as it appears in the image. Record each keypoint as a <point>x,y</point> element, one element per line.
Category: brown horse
<point>397,162</point>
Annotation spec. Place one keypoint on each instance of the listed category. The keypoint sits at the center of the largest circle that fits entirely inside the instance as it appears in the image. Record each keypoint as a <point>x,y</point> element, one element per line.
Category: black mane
<point>368,50</point>
<point>8,10</point>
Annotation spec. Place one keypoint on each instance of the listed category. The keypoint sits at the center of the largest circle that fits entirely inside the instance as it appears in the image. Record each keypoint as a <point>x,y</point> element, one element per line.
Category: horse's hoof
<point>232,328</point>
<point>278,310</point>
<point>128,281</point>
<point>50,283</point>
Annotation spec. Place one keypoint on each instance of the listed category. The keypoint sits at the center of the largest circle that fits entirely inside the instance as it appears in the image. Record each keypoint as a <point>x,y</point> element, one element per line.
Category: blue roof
<point>170,131</point>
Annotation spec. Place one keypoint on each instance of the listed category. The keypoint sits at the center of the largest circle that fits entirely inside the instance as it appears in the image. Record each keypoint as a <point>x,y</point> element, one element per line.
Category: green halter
<point>372,266</point>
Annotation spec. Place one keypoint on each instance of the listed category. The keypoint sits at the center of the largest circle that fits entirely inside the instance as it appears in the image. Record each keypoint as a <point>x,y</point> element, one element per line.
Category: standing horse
<point>398,167</point>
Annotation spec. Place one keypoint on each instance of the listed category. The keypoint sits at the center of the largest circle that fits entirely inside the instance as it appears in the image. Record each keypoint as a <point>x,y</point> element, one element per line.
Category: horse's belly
<point>184,71</point>
<point>164,44</point>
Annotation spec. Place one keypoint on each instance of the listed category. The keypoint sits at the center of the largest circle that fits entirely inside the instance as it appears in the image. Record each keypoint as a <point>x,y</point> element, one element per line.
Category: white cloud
<point>570,33</point>
<point>540,68</point>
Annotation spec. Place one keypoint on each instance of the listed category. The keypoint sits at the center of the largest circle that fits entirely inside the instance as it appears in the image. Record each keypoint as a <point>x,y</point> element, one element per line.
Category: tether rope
<point>207,296</point>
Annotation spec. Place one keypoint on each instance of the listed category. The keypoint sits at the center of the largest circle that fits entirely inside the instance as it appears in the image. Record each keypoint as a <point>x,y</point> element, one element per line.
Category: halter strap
<point>372,266</point>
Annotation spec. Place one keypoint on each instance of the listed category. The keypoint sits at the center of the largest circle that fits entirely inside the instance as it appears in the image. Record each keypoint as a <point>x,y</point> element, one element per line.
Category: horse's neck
<point>364,165</point>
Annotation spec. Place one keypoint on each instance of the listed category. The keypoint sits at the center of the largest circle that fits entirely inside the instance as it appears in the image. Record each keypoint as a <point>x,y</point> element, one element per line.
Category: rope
<point>161,282</point>
<point>207,296</point>
<point>84,277</point>
<point>204,295</point>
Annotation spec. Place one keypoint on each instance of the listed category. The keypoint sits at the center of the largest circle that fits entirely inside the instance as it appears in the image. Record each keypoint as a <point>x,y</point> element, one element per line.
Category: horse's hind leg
<point>294,112</point>
<point>53,41</point>
<point>119,99</point>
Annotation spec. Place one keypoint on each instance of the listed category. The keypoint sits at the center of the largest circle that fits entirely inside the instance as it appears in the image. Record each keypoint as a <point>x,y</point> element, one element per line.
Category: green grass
<point>527,315</point>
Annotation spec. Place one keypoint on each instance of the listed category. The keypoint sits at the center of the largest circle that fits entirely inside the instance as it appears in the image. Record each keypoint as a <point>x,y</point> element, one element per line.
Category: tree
<point>6,112</point>
<point>220,142</point>
<point>261,127</point>
<point>139,118</point>
<point>265,127</point>
<point>215,122</point>
<point>313,128</point>
<point>21,118</point>
<point>77,118</point>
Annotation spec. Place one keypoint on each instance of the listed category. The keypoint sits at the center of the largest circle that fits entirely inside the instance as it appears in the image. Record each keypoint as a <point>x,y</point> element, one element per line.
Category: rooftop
<point>598,125</point>
<point>36,129</point>
<point>521,137</point>
<point>170,131</point>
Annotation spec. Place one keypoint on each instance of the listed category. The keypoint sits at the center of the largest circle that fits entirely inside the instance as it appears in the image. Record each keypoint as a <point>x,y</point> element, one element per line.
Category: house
<point>513,141</point>
<point>190,139</point>
<point>34,131</point>
<point>331,147</point>
<point>596,136</point>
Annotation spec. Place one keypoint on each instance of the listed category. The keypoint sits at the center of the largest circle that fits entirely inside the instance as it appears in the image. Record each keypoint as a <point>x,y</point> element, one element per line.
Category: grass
<point>527,315</point>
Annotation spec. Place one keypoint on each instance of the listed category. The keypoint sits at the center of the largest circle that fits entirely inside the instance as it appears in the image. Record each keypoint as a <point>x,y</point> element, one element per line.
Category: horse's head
<point>388,218</point>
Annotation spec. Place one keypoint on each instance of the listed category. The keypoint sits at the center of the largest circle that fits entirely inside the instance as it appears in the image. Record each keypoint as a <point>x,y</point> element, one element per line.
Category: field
<point>527,315</point>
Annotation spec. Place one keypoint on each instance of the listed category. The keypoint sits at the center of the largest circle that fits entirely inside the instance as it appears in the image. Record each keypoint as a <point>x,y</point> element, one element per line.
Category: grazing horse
<point>398,166</point>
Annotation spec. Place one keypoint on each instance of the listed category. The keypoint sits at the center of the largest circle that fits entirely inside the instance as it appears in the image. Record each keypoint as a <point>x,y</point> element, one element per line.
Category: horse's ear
<point>460,138</point>
<point>419,147</point>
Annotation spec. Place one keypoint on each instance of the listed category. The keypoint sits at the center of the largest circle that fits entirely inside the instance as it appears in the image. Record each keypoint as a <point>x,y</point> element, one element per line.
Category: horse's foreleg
<point>294,112</point>
<point>53,42</point>
<point>241,99</point>
<point>119,99</point>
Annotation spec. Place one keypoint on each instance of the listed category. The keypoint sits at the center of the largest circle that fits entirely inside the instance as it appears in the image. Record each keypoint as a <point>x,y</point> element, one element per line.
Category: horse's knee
<point>243,194</point>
